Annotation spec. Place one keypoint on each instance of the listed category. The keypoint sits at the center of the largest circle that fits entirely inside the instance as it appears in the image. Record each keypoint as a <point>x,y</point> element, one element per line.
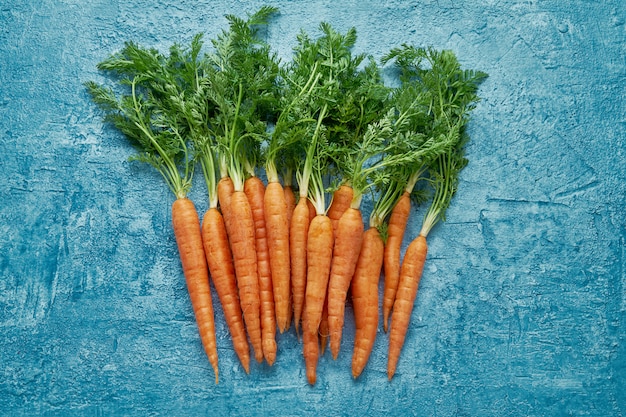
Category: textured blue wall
<point>521,309</point>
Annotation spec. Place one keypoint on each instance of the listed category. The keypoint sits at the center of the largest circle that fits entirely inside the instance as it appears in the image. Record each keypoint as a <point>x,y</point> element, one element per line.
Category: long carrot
<point>243,245</point>
<point>255,191</point>
<point>410,274</point>
<point>219,259</point>
<point>348,240</point>
<point>298,249</point>
<point>278,242</point>
<point>364,292</point>
<point>395,234</point>
<point>189,240</point>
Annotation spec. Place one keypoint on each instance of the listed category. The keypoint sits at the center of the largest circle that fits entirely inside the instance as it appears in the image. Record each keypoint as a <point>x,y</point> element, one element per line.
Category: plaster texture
<point>522,306</point>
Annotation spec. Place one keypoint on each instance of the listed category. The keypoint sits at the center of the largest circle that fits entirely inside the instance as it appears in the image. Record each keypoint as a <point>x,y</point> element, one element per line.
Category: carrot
<point>189,240</point>
<point>243,245</point>
<point>225,190</point>
<point>255,191</point>
<point>298,252</point>
<point>290,199</point>
<point>278,243</point>
<point>364,292</point>
<point>312,212</point>
<point>219,259</point>
<point>311,352</point>
<point>395,234</point>
<point>348,240</point>
<point>342,197</point>
<point>323,330</point>
<point>319,256</point>
<point>410,274</point>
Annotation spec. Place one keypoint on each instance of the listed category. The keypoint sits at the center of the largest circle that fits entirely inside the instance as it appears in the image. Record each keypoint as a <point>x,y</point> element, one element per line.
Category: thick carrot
<point>255,191</point>
<point>410,274</point>
<point>297,247</point>
<point>219,259</point>
<point>342,198</point>
<point>348,240</point>
<point>319,257</point>
<point>395,234</point>
<point>310,351</point>
<point>278,242</point>
<point>189,240</point>
<point>243,245</point>
<point>365,298</point>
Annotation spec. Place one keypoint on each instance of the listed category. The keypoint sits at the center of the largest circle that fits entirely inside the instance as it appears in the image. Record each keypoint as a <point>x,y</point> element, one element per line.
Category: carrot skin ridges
<point>364,292</point>
<point>278,242</point>
<point>395,234</point>
<point>348,241</point>
<point>290,200</point>
<point>319,256</point>
<point>225,190</point>
<point>299,230</point>
<point>219,259</point>
<point>255,191</point>
<point>342,198</point>
<point>311,353</point>
<point>243,245</point>
<point>186,225</point>
<point>410,275</point>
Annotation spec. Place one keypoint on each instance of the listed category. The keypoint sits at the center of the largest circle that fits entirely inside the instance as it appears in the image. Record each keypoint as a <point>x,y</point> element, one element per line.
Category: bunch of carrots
<point>326,131</point>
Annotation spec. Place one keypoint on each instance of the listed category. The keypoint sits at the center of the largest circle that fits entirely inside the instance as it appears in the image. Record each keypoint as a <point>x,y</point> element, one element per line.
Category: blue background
<point>521,310</point>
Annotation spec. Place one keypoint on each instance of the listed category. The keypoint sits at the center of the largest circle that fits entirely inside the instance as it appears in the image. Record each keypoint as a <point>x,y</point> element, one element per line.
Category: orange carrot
<point>319,256</point>
<point>278,242</point>
<point>255,191</point>
<point>219,259</point>
<point>312,212</point>
<point>310,352</point>
<point>348,240</point>
<point>323,330</point>
<point>243,245</point>
<point>189,240</point>
<point>364,291</point>
<point>342,197</point>
<point>290,199</point>
<point>410,274</point>
<point>395,234</point>
<point>225,190</point>
<point>297,246</point>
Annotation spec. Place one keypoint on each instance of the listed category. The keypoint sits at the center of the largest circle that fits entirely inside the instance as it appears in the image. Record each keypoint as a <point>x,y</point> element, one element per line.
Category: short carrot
<point>189,239</point>
<point>219,258</point>
<point>298,252</point>
<point>348,240</point>
<point>364,290</point>
<point>395,235</point>
<point>255,191</point>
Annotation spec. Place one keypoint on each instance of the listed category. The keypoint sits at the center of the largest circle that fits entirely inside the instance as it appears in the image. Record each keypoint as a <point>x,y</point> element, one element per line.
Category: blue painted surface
<point>521,309</point>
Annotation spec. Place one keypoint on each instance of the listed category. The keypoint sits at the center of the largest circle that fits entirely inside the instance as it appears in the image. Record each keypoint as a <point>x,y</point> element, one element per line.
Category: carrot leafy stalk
<point>143,112</point>
<point>449,96</point>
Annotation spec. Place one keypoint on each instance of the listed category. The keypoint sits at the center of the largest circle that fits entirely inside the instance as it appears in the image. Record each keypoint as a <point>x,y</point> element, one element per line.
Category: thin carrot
<point>243,245</point>
<point>225,190</point>
<point>410,275</point>
<point>348,240</point>
<point>395,235</point>
<point>255,191</point>
<point>364,292</point>
<point>290,199</point>
<point>323,331</point>
<point>189,240</point>
<point>297,246</point>
<point>342,197</point>
<point>311,352</point>
<point>219,259</point>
